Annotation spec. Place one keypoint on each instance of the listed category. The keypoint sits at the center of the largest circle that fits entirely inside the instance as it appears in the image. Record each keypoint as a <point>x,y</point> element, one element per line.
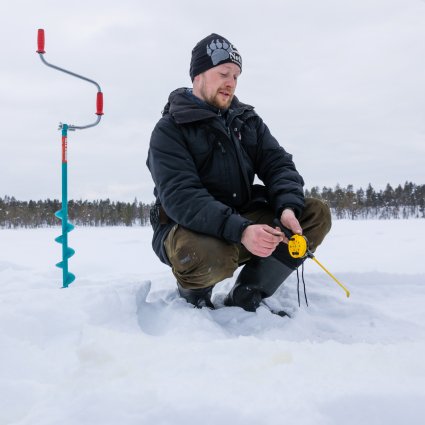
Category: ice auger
<point>62,214</point>
<point>298,248</point>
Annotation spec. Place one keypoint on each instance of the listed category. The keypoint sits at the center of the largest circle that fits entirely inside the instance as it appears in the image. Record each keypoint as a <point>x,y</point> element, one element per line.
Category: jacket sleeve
<point>274,166</point>
<point>181,193</point>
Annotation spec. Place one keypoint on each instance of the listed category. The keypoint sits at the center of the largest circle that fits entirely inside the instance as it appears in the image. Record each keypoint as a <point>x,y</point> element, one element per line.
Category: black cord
<point>302,275</point>
<point>298,288</point>
<point>298,285</point>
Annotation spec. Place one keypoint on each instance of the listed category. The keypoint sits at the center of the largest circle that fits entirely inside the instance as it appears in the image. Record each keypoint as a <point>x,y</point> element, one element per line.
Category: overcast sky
<point>340,83</point>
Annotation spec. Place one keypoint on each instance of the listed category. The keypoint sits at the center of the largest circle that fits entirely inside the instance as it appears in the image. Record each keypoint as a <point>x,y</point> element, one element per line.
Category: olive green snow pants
<point>200,261</point>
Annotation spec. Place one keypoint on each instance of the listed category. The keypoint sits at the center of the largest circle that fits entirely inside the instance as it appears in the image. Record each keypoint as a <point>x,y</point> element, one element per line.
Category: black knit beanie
<point>211,51</point>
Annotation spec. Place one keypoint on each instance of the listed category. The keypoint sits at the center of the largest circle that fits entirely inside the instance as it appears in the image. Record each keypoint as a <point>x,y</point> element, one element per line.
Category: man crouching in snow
<point>209,217</point>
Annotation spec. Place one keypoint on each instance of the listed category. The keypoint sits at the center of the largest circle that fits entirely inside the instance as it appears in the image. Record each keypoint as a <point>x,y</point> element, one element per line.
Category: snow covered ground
<point>119,347</point>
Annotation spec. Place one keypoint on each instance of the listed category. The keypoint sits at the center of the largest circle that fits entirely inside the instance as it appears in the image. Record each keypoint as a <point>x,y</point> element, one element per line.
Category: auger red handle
<point>99,103</point>
<point>40,41</point>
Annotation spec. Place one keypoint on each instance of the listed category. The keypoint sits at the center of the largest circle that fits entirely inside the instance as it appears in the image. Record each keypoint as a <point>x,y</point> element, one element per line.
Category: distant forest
<point>406,201</point>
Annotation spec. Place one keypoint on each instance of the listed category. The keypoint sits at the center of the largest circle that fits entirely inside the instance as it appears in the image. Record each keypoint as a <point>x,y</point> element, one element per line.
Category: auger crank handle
<point>99,97</point>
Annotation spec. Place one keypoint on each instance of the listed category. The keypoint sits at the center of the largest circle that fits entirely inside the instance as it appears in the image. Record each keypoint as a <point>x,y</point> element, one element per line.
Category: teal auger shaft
<point>62,214</point>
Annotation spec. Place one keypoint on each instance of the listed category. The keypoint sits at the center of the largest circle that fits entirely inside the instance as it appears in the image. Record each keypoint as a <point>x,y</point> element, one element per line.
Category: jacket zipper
<point>223,151</point>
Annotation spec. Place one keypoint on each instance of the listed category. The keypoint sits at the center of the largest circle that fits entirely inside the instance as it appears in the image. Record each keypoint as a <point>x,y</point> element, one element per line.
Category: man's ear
<point>196,81</point>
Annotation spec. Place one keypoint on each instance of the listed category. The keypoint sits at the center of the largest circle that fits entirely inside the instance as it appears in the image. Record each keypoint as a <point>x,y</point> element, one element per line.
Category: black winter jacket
<point>203,164</point>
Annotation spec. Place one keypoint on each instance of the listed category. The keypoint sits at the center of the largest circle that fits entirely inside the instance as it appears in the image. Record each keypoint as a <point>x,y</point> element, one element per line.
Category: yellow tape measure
<point>298,246</point>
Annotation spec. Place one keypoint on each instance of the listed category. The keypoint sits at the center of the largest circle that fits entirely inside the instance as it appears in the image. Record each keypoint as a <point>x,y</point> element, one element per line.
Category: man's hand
<point>289,220</point>
<point>261,240</point>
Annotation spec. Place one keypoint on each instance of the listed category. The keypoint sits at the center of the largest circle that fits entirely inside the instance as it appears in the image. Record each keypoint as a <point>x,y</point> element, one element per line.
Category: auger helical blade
<point>69,279</point>
<point>67,252</point>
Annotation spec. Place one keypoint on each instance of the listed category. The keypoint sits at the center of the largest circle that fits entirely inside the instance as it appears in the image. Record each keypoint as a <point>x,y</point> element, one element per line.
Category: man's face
<point>217,85</point>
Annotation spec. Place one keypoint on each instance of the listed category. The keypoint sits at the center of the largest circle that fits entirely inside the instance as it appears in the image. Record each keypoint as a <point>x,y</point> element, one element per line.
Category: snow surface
<point>119,347</point>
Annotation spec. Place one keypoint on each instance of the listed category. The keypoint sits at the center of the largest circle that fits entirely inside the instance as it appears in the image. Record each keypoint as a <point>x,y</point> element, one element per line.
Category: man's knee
<point>316,221</point>
<point>198,260</point>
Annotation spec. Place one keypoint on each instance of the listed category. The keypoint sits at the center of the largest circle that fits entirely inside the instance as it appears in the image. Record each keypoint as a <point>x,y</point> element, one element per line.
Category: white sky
<point>340,83</point>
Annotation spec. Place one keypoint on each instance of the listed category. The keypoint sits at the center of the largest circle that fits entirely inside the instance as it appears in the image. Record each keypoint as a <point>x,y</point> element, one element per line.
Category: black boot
<point>198,297</point>
<point>259,279</point>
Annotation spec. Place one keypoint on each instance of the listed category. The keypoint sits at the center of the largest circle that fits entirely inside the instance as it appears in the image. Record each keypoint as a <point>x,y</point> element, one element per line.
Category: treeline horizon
<point>41,213</point>
<point>401,202</point>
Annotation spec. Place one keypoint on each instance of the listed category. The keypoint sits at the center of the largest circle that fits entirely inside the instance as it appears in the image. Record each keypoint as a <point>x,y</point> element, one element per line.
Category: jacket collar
<point>185,107</point>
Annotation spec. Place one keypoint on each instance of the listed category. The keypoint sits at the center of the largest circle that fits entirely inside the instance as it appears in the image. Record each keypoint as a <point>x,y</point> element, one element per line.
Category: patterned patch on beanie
<point>221,50</point>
